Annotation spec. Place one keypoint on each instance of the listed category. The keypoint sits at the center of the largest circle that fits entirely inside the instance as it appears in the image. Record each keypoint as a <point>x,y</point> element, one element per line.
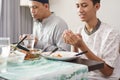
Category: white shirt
<point>104,43</point>
<point>49,32</point>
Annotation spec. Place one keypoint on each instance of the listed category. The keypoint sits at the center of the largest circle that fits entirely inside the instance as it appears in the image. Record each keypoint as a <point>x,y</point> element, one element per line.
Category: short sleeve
<point>110,47</point>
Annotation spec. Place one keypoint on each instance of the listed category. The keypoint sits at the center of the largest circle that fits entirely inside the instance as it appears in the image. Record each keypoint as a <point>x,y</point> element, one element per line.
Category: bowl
<point>16,57</point>
<point>32,54</point>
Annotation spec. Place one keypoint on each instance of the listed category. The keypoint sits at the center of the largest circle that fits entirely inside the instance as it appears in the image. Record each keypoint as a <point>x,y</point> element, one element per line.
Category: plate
<point>60,55</point>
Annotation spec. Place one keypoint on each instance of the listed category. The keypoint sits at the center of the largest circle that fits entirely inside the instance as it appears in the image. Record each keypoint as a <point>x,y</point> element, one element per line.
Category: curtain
<point>0,7</point>
<point>0,18</point>
<point>14,20</point>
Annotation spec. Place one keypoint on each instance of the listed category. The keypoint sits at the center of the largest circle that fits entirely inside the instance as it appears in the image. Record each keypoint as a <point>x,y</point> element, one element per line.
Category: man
<point>48,27</point>
<point>98,38</point>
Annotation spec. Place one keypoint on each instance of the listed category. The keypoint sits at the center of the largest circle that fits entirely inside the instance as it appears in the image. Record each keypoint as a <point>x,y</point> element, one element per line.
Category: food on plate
<point>31,54</point>
<point>57,55</point>
<point>60,55</point>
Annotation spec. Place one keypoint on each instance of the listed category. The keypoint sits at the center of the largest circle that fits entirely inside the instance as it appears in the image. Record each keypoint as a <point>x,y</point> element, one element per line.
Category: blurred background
<point>15,17</point>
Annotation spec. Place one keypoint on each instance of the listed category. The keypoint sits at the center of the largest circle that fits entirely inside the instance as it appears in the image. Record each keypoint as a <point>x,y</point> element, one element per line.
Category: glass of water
<point>4,53</point>
<point>29,41</point>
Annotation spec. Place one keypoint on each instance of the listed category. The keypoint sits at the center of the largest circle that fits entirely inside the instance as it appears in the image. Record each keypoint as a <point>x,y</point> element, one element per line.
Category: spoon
<point>81,53</point>
<point>53,50</point>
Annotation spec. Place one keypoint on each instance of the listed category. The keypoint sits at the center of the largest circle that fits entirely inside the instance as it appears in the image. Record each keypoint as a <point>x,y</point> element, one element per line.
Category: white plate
<point>60,55</point>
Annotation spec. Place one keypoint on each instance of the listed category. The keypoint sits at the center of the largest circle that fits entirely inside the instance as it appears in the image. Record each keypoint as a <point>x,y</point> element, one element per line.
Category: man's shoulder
<point>59,22</point>
<point>57,18</point>
<point>107,26</point>
<point>109,29</point>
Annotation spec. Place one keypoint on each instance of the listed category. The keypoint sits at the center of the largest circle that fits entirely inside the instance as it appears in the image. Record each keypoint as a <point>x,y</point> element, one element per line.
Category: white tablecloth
<point>44,69</point>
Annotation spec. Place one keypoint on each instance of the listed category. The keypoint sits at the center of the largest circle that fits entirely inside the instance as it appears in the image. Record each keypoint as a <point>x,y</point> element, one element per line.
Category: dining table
<point>92,64</point>
<point>45,69</point>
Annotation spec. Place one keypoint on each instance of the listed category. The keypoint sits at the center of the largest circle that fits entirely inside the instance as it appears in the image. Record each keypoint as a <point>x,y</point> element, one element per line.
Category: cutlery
<point>50,52</point>
<point>53,50</point>
<point>22,40</point>
<point>45,49</point>
<point>21,47</point>
<point>81,53</point>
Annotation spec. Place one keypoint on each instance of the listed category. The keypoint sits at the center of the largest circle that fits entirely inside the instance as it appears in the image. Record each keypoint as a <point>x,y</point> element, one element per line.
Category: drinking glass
<point>29,41</point>
<point>4,53</point>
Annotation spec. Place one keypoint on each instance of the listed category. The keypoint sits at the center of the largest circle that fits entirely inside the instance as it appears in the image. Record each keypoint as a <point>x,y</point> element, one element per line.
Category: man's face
<point>86,9</point>
<point>37,9</point>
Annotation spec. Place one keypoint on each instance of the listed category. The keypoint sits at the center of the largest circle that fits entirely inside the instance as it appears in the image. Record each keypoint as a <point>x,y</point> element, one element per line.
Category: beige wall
<point>109,12</point>
<point>67,10</point>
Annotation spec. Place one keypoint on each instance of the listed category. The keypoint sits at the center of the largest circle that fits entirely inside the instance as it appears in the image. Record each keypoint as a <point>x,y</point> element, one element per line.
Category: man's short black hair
<point>95,1</point>
<point>42,1</point>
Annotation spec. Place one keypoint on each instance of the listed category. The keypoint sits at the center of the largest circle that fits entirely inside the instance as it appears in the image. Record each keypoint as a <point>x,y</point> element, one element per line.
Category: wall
<point>109,12</point>
<point>67,10</point>
<point>24,2</point>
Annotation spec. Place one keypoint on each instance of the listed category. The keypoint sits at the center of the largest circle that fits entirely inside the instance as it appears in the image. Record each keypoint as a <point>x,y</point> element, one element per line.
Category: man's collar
<point>44,20</point>
<point>95,29</point>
